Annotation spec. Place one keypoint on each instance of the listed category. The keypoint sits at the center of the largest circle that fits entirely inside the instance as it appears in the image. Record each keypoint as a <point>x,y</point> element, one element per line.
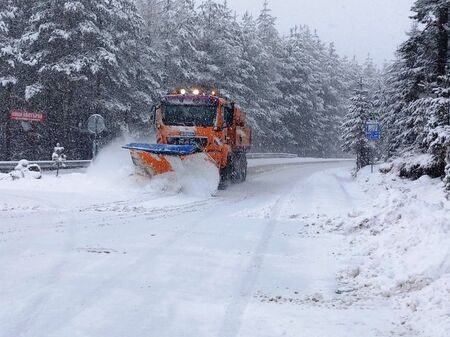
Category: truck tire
<point>226,174</point>
<point>239,173</point>
<point>244,168</point>
<point>235,171</point>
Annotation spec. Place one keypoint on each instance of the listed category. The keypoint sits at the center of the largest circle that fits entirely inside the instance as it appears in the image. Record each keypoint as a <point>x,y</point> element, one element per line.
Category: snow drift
<point>400,249</point>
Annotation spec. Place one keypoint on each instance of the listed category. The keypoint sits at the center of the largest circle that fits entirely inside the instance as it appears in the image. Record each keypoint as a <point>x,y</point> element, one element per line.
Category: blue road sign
<point>373,130</point>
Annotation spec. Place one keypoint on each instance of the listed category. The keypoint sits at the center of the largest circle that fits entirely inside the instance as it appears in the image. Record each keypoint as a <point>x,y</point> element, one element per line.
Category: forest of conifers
<point>69,59</point>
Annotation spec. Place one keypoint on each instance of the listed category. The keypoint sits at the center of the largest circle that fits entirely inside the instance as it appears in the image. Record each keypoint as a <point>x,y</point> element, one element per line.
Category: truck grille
<point>201,142</point>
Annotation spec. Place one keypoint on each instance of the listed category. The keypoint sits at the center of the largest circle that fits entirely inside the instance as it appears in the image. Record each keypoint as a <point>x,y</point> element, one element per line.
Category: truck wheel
<point>235,168</point>
<point>226,174</point>
<point>239,168</point>
<point>244,168</point>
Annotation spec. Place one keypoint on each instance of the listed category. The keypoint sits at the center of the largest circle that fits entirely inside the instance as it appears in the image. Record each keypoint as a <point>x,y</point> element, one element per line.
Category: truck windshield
<point>189,115</point>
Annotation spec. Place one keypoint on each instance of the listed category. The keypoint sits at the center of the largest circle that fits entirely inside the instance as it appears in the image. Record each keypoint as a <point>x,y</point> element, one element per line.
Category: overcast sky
<point>357,27</point>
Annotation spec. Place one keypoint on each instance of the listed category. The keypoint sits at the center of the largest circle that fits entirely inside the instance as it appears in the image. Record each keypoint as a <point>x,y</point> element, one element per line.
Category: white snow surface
<point>400,250</point>
<point>300,249</point>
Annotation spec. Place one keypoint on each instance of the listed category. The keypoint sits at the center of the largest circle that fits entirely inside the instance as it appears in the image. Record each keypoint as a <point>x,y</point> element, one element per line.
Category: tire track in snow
<point>111,217</point>
<point>232,321</point>
<point>102,289</point>
<point>40,303</point>
<point>32,312</point>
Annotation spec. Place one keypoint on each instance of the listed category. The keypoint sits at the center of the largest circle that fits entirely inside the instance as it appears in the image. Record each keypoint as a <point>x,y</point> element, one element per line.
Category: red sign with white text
<point>22,115</point>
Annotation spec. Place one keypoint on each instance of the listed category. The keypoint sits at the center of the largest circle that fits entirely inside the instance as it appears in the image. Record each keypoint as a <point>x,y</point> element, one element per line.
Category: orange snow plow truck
<point>196,124</point>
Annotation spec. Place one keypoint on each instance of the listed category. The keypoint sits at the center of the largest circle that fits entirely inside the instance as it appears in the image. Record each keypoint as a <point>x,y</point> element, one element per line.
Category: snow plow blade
<point>171,150</point>
<point>156,159</point>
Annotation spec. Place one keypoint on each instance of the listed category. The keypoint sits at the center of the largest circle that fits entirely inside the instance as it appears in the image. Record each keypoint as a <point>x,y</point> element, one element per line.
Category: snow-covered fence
<point>7,166</point>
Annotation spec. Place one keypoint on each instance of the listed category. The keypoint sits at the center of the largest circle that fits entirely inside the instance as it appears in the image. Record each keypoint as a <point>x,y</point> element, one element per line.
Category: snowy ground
<point>297,250</point>
<point>400,252</point>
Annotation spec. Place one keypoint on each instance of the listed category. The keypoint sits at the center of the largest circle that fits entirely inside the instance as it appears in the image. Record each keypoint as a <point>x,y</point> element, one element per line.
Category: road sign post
<point>373,133</point>
<point>21,115</point>
<point>96,125</point>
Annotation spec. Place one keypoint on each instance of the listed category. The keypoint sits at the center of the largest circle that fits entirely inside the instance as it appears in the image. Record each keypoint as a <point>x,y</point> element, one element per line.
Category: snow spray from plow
<point>114,172</point>
<point>183,168</point>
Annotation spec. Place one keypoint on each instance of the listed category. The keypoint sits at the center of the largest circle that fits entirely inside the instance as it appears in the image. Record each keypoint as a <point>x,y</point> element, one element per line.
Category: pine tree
<point>7,76</point>
<point>295,87</point>
<point>436,107</point>
<point>415,104</point>
<point>268,67</point>
<point>8,50</point>
<point>220,47</point>
<point>251,46</point>
<point>267,26</point>
<point>371,76</point>
<point>390,110</point>
<point>426,125</point>
<point>177,43</point>
<point>14,16</point>
<point>354,139</point>
<point>334,99</point>
<point>86,59</point>
<point>247,94</point>
<point>151,11</point>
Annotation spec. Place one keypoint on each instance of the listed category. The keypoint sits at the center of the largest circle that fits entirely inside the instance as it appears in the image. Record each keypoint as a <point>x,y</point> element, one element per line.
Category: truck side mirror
<point>153,115</point>
<point>229,115</point>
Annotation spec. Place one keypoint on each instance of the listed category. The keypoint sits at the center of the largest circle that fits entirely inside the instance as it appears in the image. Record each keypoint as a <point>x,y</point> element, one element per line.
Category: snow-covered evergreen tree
<point>334,95</point>
<point>86,59</point>
<point>354,138</point>
<point>8,50</point>
<point>268,66</point>
<point>177,43</point>
<point>416,104</point>
<point>8,77</point>
<point>390,109</point>
<point>14,15</point>
<point>299,93</point>
<point>220,47</point>
<point>372,77</point>
<point>72,58</point>
<point>435,106</point>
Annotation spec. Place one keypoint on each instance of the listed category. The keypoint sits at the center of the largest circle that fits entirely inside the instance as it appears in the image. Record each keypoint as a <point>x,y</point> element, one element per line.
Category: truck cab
<point>212,123</point>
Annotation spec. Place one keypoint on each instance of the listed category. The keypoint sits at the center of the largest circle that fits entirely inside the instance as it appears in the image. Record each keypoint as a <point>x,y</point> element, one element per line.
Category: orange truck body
<point>223,136</point>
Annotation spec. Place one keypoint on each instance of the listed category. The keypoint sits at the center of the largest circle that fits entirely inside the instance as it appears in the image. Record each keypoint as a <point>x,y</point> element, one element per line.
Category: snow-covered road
<point>81,258</point>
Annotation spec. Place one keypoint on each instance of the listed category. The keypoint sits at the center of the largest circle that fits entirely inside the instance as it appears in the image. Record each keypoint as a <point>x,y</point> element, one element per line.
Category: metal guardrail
<point>262,168</point>
<point>7,166</point>
<point>270,155</point>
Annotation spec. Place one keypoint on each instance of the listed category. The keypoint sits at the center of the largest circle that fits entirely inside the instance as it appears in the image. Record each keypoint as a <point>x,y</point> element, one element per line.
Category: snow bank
<point>400,249</point>
<point>414,165</point>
